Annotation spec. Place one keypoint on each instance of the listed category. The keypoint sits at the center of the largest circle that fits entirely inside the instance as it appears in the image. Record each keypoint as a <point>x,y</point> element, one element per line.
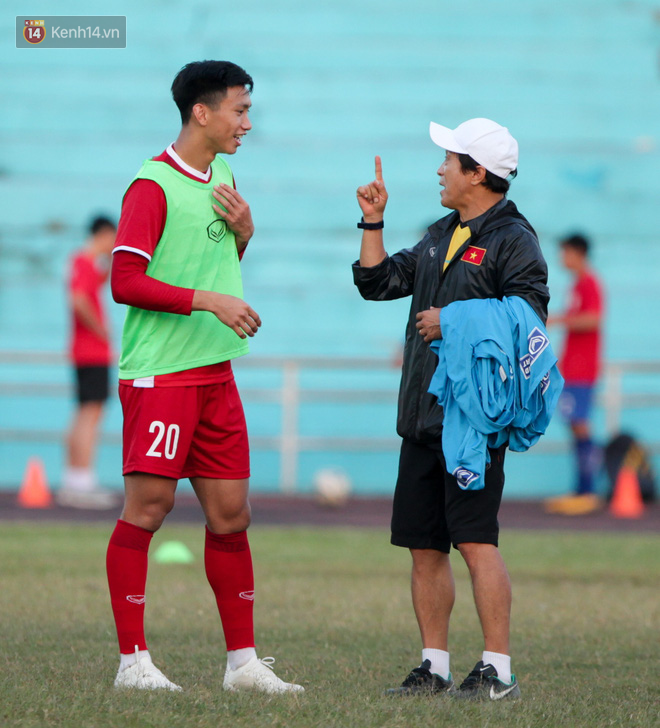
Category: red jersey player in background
<point>580,366</point>
<point>91,354</point>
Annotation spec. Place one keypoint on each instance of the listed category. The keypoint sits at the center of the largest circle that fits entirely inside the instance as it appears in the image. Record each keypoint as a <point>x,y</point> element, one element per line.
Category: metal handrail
<point>290,394</point>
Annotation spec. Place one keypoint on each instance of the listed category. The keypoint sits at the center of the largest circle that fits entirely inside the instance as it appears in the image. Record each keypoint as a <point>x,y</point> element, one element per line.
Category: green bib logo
<point>217,230</point>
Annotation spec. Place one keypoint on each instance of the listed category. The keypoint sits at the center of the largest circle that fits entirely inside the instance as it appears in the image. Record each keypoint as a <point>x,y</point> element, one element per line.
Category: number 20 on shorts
<point>171,435</point>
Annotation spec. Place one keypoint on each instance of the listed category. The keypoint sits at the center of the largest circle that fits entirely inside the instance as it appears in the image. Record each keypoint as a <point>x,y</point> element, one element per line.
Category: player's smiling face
<point>228,121</point>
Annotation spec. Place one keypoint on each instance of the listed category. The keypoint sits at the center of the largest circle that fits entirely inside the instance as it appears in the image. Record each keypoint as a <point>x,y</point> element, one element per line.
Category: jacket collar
<point>502,213</point>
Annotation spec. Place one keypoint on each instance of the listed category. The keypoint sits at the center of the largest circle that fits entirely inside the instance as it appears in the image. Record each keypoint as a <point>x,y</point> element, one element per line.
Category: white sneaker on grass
<point>258,675</point>
<point>144,675</point>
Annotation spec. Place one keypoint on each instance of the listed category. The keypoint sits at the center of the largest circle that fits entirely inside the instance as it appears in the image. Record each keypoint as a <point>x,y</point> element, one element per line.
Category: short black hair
<point>101,222</point>
<point>491,181</point>
<point>576,241</point>
<point>206,82</point>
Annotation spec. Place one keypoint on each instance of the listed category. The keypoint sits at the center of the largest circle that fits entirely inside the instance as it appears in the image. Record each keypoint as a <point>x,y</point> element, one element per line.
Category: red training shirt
<point>580,362</point>
<point>87,277</point>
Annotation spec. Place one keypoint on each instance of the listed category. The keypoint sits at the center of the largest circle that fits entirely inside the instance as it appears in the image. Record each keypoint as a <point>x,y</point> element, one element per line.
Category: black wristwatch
<point>371,225</point>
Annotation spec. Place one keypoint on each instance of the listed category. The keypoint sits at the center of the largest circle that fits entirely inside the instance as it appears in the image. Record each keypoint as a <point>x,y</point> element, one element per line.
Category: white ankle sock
<point>439,661</point>
<point>238,658</point>
<point>502,663</point>
<point>80,480</point>
<point>131,658</point>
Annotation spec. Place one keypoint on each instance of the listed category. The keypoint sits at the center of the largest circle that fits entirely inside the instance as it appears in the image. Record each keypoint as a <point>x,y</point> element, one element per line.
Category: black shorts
<point>430,511</point>
<point>92,384</point>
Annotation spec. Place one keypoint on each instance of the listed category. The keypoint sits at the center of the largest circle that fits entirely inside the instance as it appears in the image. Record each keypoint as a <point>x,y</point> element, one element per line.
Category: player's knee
<point>471,552</point>
<point>580,430</point>
<point>241,519</point>
<point>240,523</point>
<point>231,521</point>
<point>425,560</point>
<point>152,514</point>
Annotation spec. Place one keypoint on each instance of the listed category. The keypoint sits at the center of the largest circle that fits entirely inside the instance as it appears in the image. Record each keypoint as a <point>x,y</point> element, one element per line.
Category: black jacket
<point>512,265</point>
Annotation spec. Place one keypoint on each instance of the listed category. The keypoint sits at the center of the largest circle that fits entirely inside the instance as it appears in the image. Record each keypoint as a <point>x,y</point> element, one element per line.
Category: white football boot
<point>144,675</point>
<point>258,675</point>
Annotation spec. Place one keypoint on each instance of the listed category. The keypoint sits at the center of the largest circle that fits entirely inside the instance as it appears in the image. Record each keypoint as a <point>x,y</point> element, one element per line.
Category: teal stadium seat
<point>335,84</point>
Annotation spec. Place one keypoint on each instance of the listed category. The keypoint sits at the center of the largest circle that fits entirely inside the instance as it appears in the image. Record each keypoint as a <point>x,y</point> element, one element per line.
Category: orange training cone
<point>627,498</point>
<point>34,492</point>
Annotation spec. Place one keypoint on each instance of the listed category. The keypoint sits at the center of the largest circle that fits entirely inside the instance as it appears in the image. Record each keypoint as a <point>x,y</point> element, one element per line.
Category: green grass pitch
<point>333,607</point>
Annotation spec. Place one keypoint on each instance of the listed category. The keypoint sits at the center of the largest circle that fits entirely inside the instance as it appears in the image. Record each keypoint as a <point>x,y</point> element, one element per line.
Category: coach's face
<point>228,122</point>
<point>455,183</point>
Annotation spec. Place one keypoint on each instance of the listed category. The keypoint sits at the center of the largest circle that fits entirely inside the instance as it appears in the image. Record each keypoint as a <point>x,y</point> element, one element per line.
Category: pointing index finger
<point>379,169</point>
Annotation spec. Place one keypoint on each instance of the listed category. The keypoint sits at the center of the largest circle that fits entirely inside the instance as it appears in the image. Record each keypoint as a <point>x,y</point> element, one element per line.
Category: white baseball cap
<point>488,143</point>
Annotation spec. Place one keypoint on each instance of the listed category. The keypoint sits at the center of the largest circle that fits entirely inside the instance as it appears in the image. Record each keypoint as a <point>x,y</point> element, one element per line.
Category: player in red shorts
<point>182,231</point>
<point>580,366</point>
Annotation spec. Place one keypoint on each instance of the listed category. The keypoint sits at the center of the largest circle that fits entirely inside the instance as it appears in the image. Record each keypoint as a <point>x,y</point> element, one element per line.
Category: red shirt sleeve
<point>131,285</point>
<point>143,216</point>
<point>140,228</point>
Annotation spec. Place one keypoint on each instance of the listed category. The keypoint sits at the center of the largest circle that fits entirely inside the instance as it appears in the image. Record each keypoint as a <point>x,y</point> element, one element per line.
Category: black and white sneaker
<point>483,684</point>
<point>422,681</point>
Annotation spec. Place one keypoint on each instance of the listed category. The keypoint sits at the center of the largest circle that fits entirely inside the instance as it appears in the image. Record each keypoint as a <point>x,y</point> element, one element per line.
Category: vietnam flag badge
<point>474,255</point>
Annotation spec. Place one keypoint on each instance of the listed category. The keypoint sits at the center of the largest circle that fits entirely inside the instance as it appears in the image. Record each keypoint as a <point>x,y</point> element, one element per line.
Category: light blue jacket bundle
<point>496,380</point>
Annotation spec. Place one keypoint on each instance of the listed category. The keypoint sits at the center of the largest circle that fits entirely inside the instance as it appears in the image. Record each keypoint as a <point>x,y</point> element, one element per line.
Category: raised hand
<point>372,198</point>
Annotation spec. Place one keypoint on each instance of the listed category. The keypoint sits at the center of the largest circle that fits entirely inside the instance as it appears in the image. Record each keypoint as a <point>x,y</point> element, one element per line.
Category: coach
<point>484,249</point>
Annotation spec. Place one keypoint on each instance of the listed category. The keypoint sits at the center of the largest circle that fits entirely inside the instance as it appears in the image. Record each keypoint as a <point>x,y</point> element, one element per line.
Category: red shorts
<point>183,432</point>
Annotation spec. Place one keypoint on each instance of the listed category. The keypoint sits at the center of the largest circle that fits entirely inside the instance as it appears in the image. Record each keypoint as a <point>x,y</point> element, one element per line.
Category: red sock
<point>228,562</point>
<point>126,564</point>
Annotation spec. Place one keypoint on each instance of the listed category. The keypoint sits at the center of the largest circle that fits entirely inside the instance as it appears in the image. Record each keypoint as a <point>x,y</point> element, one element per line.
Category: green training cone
<point>173,552</point>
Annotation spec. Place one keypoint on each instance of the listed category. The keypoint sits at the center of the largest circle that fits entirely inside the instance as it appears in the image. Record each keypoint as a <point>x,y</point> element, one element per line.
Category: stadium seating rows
<point>576,81</point>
